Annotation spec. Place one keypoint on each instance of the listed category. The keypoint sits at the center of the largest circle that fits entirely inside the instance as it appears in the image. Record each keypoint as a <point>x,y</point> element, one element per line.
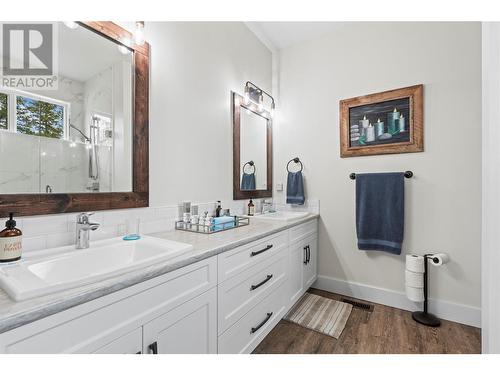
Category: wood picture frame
<point>43,204</point>
<point>382,131</point>
<point>237,104</point>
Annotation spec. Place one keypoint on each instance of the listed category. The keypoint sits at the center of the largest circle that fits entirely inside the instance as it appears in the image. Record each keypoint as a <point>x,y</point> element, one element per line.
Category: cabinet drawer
<point>239,294</point>
<point>71,332</point>
<point>233,262</point>
<point>131,343</point>
<point>249,331</point>
<point>302,231</point>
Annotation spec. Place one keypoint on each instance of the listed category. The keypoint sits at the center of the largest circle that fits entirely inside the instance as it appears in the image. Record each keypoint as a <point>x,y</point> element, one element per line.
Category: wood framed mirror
<point>252,150</point>
<point>120,135</point>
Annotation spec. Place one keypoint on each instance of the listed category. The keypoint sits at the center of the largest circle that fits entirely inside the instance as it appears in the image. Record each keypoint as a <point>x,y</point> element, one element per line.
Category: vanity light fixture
<point>71,24</point>
<point>255,94</point>
<point>139,37</point>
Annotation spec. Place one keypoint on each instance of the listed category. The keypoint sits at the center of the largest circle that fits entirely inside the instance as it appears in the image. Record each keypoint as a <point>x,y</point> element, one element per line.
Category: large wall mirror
<point>82,145</point>
<point>252,150</point>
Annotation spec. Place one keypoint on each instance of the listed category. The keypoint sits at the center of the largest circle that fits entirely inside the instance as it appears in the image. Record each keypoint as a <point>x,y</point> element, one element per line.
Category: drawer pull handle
<point>153,348</point>
<point>308,254</point>
<point>255,329</point>
<point>269,277</point>
<point>254,253</point>
<point>305,255</point>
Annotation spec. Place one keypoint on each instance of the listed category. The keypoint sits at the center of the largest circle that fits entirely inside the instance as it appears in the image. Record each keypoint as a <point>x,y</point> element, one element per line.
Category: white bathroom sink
<point>282,216</point>
<point>63,268</point>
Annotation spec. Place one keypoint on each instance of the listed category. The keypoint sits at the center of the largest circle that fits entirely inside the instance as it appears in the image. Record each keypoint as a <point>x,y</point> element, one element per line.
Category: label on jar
<point>10,247</point>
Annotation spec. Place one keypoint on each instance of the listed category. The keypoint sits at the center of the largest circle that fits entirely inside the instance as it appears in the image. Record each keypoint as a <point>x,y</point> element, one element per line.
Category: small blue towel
<point>295,188</point>
<point>223,222</point>
<point>380,211</point>
<point>248,181</point>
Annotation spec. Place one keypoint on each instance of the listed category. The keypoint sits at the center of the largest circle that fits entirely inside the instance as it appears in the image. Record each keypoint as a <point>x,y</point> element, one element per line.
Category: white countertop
<point>14,314</point>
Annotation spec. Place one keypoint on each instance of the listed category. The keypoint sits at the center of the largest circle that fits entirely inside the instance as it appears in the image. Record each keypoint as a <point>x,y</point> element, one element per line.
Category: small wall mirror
<point>252,150</point>
<point>82,144</point>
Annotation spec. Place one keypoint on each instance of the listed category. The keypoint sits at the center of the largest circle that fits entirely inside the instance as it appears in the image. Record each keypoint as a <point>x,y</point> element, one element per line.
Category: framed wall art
<point>389,122</point>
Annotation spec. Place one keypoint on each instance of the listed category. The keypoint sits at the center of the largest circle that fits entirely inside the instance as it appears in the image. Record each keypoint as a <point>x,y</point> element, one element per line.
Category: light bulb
<point>139,37</point>
<point>246,97</point>
<point>123,47</point>
<point>71,24</point>
<point>261,103</point>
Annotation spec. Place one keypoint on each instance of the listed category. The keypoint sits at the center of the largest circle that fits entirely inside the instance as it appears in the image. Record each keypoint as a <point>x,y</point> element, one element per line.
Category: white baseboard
<point>443,309</point>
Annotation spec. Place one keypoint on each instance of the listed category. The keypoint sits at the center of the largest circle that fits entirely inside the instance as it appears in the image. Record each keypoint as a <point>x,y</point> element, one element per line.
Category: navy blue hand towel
<point>248,181</point>
<point>380,211</point>
<point>295,188</point>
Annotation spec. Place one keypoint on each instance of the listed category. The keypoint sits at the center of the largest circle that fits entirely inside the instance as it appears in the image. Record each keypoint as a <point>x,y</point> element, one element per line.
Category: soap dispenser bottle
<point>218,209</point>
<point>11,245</point>
<point>251,208</point>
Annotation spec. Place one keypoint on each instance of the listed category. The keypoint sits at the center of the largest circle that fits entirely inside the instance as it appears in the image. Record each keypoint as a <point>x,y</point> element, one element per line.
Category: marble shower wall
<point>63,165</point>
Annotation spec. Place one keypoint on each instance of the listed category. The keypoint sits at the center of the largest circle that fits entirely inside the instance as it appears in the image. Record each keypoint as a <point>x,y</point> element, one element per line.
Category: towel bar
<point>408,174</point>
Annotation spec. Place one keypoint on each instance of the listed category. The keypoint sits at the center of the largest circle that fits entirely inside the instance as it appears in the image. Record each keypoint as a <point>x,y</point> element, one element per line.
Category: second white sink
<point>65,268</point>
<point>282,216</point>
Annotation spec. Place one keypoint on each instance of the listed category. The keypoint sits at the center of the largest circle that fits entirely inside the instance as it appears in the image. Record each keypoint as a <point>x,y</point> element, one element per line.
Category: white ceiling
<point>278,35</point>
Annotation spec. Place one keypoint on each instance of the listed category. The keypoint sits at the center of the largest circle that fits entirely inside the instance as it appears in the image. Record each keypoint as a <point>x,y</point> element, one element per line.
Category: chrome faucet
<point>83,227</point>
<point>266,207</point>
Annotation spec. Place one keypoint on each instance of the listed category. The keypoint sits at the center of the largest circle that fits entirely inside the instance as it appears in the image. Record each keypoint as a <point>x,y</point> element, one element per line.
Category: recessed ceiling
<point>278,35</point>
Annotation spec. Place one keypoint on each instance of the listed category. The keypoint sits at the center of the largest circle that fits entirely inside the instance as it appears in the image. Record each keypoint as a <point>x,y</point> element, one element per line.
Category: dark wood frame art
<point>42,204</point>
<point>237,103</point>
<point>416,142</point>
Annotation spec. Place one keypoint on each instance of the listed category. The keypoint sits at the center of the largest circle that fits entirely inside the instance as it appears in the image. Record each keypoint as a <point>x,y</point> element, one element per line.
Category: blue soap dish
<point>131,237</point>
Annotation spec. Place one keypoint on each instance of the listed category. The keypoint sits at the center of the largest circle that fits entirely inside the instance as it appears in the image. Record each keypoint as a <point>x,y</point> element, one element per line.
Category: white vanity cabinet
<point>303,259</point>
<point>223,304</point>
<point>190,328</point>
<point>115,322</point>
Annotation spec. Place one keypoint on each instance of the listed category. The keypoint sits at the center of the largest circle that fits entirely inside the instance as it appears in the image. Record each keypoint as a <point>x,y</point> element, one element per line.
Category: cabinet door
<point>131,343</point>
<point>190,328</point>
<point>311,267</point>
<point>296,282</point>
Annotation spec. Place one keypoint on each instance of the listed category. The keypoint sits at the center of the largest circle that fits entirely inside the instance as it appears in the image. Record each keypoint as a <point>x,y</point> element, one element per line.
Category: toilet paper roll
<point>415,263</point>
<point>414,279</point>
<point>415,294</point>
<point>439,259</point>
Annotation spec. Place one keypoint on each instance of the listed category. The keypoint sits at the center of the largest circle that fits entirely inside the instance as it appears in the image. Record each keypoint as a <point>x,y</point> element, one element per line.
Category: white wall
<point>194,67</point>
<point>443,203</point>
<point>491,185</point>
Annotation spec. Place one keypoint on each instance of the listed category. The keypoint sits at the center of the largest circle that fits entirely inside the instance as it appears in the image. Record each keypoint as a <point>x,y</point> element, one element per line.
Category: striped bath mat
<point>320,314</point>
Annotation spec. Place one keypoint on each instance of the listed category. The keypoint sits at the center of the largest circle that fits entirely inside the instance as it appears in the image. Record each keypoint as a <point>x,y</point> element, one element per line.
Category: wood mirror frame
<point>237,103</point>
<point>43,204</point>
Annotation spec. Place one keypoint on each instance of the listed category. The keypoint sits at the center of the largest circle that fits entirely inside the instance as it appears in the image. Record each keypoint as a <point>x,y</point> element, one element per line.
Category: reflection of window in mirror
<point>68,137</point>
<point>33,114</point>
<point>4,118</point>
<point>253,147</point>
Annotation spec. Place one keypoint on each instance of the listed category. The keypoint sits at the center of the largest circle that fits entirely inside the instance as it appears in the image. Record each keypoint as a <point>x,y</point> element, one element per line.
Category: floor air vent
<point>358,305</point>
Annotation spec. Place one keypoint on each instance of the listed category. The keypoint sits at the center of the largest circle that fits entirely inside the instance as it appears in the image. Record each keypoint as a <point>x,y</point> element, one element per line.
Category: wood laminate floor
<point>385,330</point>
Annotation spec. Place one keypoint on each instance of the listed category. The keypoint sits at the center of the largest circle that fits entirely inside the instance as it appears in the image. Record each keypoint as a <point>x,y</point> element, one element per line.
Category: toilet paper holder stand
<point>424,317</point>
